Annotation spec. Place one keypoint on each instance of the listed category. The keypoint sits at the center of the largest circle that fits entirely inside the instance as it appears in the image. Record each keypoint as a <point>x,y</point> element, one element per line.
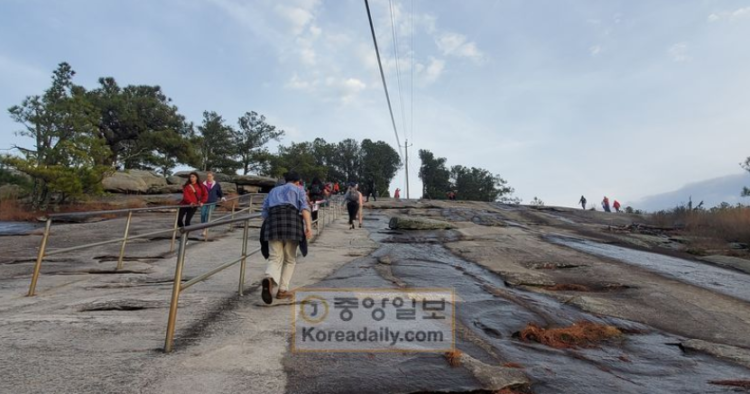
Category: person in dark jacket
<point>194,195</point>
<point>353,201</point>
<point>215,194</point>
<point>371,191</point>
<point>287,223</point>
<point>317,193</point>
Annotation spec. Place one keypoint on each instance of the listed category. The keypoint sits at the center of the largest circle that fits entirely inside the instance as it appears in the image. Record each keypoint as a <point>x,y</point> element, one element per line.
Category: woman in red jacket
<point>194,195</point>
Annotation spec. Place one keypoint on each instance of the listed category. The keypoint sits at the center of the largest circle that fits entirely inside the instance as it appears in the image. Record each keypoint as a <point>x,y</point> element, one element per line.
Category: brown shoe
<point>284,295</point>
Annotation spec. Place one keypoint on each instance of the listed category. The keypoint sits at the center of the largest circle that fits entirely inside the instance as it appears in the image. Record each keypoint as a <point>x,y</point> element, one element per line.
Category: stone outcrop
<point>202,174</point>
<point>147,182</point>
<point>418,223</point>
<point>228,187</point>
<point>253,180</point>
<point>134,182</point>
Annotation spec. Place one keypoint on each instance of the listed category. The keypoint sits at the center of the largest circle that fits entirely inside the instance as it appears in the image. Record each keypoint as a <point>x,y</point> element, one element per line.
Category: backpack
<point>315,190</point>
<point>352,196</point>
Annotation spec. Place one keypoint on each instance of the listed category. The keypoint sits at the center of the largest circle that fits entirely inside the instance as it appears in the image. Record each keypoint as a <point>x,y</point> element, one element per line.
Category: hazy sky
<point>624,98</point>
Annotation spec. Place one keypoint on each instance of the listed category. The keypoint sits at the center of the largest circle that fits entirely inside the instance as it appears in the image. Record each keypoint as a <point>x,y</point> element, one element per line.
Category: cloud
<point>741,13</point>
<point>595,50</point>
<point>455,44</point>
<point>738,14</point>
<point>433,70</point>
<point>679,52</point>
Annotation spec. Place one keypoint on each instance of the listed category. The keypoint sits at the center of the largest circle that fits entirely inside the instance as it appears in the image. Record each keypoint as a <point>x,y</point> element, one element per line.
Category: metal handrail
<point>178,287</point>
<point>125,238</point>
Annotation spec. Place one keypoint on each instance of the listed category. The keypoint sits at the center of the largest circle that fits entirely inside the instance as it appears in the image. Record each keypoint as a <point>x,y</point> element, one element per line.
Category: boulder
<point>219,177</point>
<point>254,180</point>
<point>418,223</point>
<point>228,187</point>
<point>246,189</point>
<point>133,181</point>
<point>175,180</point>
<point>166,189</point>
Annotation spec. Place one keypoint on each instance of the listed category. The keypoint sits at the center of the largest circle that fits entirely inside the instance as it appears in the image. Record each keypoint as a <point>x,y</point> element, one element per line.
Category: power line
<point>382,76</point>
<point>398,68</point>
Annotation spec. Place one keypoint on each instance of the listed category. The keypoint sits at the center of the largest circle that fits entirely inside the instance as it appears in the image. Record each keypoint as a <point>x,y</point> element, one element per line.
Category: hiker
<point>287,224</point>
<point>336,188</point>
<point>371,190</point>
<point>605,204</point>
<point>361,207</point>
<point>397,194</point>
<point>616,206</point>
<point>582,201</point>
<point>353,200</point>
<point>194,195</point>
<point>215,194</point>
<point>317,194</point>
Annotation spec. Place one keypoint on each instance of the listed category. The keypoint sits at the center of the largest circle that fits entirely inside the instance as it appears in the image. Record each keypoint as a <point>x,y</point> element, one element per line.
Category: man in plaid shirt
<point>283,212</point>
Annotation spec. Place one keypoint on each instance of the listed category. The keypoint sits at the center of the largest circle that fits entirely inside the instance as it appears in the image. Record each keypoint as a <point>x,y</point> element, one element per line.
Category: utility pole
<point>406,147</point>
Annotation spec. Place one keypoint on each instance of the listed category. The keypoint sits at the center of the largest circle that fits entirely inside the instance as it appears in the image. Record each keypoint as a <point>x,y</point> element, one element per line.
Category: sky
<point>561,98</point>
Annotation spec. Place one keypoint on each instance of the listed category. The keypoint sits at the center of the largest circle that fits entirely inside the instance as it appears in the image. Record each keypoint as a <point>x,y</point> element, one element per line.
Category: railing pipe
<point>124,241</point>
<point>39,258</point>
<point>169,341</point>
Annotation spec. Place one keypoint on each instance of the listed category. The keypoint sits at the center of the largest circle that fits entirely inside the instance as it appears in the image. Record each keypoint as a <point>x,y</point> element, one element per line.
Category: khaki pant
<point>281,261</point>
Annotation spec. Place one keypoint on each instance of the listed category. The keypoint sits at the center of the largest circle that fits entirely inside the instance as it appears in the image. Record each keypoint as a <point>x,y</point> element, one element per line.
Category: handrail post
<point>243,263</point>
<point>174,230</point>
<point>175,294</point>
<point>231,225</point>
<point>39,258</point>
<point>210,211</point>
<point>124,241</point>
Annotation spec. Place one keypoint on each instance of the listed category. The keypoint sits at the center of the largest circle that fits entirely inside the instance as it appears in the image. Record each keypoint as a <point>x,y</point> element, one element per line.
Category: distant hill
<point>711,191</point>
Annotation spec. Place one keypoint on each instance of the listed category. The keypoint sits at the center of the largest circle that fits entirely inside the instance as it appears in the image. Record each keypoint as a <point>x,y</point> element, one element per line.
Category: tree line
<point>80,136</point>
<point>468,183</point>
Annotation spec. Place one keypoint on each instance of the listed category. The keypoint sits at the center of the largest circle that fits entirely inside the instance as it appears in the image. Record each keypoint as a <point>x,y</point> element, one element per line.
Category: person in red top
<point>336,188</point>
<point>194,195</point>
<point>616,206</point>
<point>397,194</point>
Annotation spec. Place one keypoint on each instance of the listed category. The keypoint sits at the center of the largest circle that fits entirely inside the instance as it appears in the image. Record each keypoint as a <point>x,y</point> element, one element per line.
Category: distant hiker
<point>397,194</point>
<point>605,204</point>
<point>194,195</point>
<point>371,191</point>
<point>582,201</point>
<point>451,195</point>
<point>352,198</point>
<point>616,206</point>
<point>336,188</point>
<point>287,225</point>
<point>317,195</point>
<point>361,208</point>
<point>215,195</point>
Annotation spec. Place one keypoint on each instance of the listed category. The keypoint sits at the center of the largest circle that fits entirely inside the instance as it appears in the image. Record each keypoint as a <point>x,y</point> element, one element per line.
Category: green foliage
<point>66,160</point>
<point>435,176</point>
<point>251,137</point>
<point>142,128</point>
<point>10,176</point>
<point>347,160</point>
<point>536,202</point>
<point>217,144</point>
<point>380,162</point>
<point>478,184</point>
<point>475,184</point>
<point>298,157</point>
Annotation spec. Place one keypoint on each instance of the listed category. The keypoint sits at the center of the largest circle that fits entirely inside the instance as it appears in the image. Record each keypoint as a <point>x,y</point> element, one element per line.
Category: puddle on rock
<point>724,281</point>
